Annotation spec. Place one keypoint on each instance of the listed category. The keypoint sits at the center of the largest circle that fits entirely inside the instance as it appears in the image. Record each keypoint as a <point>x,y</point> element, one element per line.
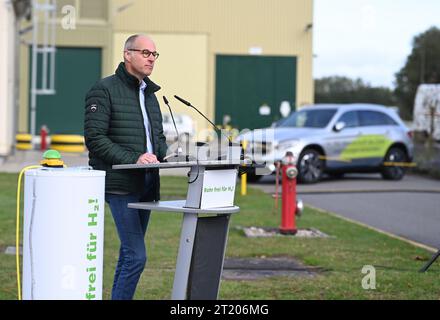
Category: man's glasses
<point>146,53</point>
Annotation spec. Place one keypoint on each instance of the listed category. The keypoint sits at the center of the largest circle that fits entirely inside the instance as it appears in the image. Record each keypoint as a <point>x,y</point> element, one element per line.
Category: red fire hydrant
<point>43,135</point>
<point>289,205</point>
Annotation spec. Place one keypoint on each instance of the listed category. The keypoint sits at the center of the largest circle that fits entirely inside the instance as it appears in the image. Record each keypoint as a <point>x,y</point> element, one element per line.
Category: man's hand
<point>147,158</point>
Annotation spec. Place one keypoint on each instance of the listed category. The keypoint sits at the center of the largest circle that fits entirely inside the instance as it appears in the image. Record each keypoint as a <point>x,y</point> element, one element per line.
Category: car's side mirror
<point>339,126</point>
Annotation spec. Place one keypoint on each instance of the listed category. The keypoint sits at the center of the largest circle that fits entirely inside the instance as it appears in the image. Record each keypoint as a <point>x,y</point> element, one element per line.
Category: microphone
<point>179,148</point>
<point>190,105</point>
<point>185,102</point>
<point>175,156</point>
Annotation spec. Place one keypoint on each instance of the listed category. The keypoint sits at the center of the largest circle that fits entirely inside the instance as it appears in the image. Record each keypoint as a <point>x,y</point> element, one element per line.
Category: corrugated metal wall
<point>276,27</point>
<point>91,30</point>
<point>181,69</point>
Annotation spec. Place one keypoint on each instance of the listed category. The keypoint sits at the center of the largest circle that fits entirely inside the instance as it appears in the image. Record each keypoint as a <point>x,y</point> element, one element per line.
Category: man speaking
<point>123,125</point>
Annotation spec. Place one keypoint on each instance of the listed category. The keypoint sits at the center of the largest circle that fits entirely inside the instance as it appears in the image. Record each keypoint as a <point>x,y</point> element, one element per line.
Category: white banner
<point>218,188</point>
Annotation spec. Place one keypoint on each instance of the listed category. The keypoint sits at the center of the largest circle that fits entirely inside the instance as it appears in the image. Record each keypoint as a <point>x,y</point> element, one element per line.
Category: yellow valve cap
<point>52,158</point>
<point>52,163</point>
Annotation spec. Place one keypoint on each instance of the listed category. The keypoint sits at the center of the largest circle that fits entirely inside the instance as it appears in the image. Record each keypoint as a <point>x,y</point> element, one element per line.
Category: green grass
<point>342,256</point>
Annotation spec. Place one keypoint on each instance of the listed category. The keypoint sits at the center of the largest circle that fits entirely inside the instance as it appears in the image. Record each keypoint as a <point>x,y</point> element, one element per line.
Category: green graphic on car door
<point>368,146</point>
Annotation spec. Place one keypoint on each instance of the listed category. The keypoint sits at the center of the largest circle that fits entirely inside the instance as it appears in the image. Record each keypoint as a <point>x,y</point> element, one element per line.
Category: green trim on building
<point>77,69</point>
<point>245,83</point>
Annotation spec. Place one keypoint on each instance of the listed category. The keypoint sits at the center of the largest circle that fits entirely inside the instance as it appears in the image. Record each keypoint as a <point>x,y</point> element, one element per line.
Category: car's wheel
<point>310,166</point>
<point>394,172</point>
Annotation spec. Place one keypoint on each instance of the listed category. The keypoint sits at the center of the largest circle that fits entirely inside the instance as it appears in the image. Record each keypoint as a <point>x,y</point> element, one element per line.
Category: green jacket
<point>115,134</point>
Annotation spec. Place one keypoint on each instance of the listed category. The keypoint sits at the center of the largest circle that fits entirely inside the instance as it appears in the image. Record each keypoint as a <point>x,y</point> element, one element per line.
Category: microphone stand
<point>230,144</point>
<point>176,157</point>
<point>206,118</point>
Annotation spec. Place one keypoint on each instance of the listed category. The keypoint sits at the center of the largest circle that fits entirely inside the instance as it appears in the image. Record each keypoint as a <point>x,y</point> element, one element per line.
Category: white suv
<point>335,138</point>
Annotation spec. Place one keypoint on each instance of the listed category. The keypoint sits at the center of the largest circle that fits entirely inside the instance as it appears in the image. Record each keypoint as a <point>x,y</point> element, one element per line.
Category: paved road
<point>409,208</point>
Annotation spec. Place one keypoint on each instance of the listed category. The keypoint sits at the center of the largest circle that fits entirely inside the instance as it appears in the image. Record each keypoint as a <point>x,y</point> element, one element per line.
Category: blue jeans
<point>131,225</point>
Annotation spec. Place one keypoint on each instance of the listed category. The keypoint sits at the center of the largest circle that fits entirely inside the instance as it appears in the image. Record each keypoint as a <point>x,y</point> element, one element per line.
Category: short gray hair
<point>130,41</point>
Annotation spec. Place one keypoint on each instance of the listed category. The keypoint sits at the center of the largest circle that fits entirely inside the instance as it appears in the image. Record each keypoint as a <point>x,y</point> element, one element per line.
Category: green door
<point>76,70</point>
<point>245,83</point>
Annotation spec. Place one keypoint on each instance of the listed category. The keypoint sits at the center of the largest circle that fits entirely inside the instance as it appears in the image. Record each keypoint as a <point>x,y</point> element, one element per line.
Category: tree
<point>337,89</point>
<point>422,66</point>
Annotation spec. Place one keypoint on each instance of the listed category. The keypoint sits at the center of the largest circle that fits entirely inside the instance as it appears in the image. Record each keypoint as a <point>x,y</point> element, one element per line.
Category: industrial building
<point>237,61</point>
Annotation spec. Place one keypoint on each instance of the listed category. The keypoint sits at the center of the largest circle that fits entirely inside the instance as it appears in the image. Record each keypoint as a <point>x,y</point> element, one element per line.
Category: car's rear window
<point>317,118</point>
<point>375,118</point>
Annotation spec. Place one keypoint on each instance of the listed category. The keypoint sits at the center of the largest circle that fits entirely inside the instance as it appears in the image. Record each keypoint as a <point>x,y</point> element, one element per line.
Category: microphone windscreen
<point>182,100</point>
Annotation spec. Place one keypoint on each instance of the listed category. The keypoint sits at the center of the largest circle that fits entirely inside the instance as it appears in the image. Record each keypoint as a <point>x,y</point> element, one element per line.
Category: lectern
<point>206,213</point>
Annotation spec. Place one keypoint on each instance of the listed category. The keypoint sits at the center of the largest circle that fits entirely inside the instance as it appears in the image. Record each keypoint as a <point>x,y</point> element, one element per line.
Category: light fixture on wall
<point>22,8</point>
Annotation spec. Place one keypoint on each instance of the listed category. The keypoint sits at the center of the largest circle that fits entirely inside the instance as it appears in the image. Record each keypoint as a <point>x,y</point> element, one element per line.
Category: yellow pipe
<point>23,141</point>
<point>67,143</point>
<point>17,230</point>
<point>244,175</point>
<point>400,164</point>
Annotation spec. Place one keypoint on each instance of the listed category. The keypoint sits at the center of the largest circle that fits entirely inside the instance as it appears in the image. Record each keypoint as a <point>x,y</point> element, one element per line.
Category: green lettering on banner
<point>219,189</point>
<point>92,221</point>
<point>91,248</point>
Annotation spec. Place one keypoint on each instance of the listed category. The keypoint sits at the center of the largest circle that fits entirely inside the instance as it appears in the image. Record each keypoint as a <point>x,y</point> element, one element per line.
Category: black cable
<point>197,164</point>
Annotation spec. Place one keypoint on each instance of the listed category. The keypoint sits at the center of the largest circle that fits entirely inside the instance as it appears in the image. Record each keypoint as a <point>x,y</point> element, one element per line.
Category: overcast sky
<point>369,39</point>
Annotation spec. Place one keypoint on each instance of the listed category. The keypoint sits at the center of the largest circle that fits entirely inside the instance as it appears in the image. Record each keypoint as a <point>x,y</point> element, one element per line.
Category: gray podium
<point>204,231</point>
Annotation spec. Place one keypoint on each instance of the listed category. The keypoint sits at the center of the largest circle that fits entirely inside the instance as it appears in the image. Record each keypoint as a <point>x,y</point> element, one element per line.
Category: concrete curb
<point>414,243</point>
